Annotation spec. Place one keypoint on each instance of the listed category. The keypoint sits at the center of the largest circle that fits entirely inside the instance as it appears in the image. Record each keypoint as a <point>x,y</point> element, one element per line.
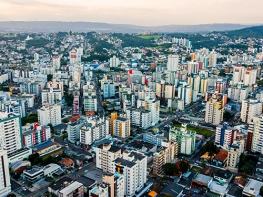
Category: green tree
<point>49,77</point>
<point>203,164</point>
<point>170,168</point>
<point>261,191</point>
<point>184,166</point>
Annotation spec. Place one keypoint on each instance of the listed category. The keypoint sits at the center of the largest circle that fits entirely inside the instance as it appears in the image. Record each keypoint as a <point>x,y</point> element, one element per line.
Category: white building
<point>238,92</point>
<point>250,108</point>
<point>73,131</point>
<point>95,129</point>
<point>212,59</point>
<point>114,61</point>
<point>224,135</point>
<point>192,67</point>
<point>173,62</point>
<point>90,103</point>
<point>250,75</point>
<point>257,131</point>
<point>51,95</point>
<point>185,93</point>
<point>121,127</point>
<point>5,184</point>
<point>105,155</point>
<point>133,167</point>
<point>252,188</point>
<point>214,111</point>
<point>139,117</point>
<point>50,114</point>
<point>10,132</point>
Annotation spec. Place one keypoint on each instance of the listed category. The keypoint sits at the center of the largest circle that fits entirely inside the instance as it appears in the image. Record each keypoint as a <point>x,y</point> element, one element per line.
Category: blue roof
<point>44,145</point>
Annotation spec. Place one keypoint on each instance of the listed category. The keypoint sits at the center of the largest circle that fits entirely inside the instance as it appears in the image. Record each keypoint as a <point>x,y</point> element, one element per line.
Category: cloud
<point>138,12</point>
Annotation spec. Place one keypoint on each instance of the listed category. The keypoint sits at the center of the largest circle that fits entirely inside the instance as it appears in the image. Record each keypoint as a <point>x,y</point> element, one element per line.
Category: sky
<point>136,12</point>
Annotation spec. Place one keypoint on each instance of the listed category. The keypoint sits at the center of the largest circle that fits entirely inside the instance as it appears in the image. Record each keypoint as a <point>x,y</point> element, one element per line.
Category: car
<point>24,188</point>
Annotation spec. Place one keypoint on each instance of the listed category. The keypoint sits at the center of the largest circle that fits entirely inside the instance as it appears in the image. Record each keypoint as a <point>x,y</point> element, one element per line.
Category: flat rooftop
<point>70,188</point>
<point>95,175</point>
<point>218,188</point>
<point>202,178</point>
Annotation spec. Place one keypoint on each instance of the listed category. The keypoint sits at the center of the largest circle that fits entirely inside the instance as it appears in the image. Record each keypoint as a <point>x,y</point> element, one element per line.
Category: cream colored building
<point>250,108</point>
<point>214,111</point>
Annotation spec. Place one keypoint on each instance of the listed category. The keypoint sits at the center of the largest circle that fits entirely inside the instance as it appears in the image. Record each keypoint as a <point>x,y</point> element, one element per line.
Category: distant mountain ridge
<point>55,26</point>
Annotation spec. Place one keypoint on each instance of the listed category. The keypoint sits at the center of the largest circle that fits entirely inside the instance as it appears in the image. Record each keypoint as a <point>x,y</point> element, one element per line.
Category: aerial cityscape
<point>107,107</point>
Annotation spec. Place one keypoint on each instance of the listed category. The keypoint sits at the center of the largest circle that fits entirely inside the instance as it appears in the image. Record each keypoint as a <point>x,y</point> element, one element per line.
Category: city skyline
<point>146,13</point>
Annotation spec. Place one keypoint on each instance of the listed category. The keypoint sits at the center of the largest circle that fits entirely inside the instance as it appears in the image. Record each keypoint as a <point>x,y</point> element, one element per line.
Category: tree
<point>170,168</point>
<point>34,159</point>
<point>49,77</point>
<point>203,164</point>
<point>261,191</point>
<point>184,166</point>
<point>228,115</point>
<point>210,155</point>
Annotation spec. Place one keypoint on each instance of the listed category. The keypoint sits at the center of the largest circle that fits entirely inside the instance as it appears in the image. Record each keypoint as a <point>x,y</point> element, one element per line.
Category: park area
<point>201,131</point>
<point>148,37</point>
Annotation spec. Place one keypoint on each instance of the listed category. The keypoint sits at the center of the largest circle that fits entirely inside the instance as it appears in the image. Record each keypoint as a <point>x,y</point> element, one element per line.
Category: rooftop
<point>222,155</point>
<point>44,145</point>
<point>87,182</point>
<point>235,191</point>
<point>223,174</point>
<point>124,162</point>
<point>95,175</point>
<point>59,184</point>
<point>70,188</point>
<point>173,189</point>
<point>253,187</point>
<point>202,178</point>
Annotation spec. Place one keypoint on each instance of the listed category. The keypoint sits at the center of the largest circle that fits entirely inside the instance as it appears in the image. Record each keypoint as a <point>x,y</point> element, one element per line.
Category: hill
<point>55,26</point>
<point>255,32</point>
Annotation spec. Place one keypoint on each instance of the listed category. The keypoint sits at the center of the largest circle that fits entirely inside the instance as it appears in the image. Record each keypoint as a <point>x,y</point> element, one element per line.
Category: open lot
<point>148,37</point>
<point>200,131</point>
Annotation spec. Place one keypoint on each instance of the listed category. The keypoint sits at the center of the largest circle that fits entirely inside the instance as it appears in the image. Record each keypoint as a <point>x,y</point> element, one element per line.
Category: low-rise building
<point>252,188</point>
<point>220,159</point>
<point>33,174</point>
<point>75,189</point>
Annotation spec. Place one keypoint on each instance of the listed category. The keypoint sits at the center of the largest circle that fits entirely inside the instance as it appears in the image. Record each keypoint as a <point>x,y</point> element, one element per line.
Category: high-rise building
<point>250,75</point>
<point>105,155</point>
<point>173,62</point>
<point>164,155</point>
<point>5,184</point>
<point>73,131</point>
<point>75,105</point>
<point>250,108</point>
<point>114,61</point>
<point>37,135</point>
<point>56,62</point>
<point>108,90</point>
<point>121,127</point>
<point>55,84</point>
<point>10,132</point>
<point>51,95</point>
<point>133,167</point>
<point>214,110</point>
<point>73,57</point>
<point>225,135</point>
<point>50,114</point>
<point>185,138</point>
<point>238,92</point>
<point>90,103</point>
<point>185,93</point>
<point>212,59</point>
<point>192,67</point>
<point>257,145</point>
<point>139,117</point>
<point>238,71</point>
<point>93,131</point>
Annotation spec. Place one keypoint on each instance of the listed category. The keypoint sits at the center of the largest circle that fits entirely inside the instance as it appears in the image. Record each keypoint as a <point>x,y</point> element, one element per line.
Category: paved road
<point>81,171</point>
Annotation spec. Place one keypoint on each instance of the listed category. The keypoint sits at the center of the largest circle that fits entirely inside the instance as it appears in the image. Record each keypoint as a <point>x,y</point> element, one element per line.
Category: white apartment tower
<point>105,155</point>
<point>114,61</point>
<point>250,108</point>
<point>5,184</point>
<point>133,167</point>
<point>173,62</point>
<point>257,145</point>
<point>212,59</point>
<point>50,114</point>
<point>10,132</point>
<point>51,95</point>
<point>214,111</point>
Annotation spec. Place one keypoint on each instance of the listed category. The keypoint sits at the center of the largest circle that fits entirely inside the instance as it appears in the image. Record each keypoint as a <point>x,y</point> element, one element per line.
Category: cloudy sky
<point>137,12</point>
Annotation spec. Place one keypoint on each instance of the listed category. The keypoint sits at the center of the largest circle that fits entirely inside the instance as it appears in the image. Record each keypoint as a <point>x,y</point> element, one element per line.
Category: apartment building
<point>10,132</point>
<point>51,95</point>
<point>73,131</point>
<point>94,130</point>
<point>108,90</point>
<point>75,189</point>
<point>185,138</point>
<point>234,152</point>
<point>225,135</point>
<point>105,155</point>
<point>214,110</point>
<point>35,136</point>
<point>164,155</point>
<point>5,184</point>
<point>238,92</point>
<point>257,131</point>
<point>121,127</point>
<point>185,93</point>
<point>250,108</point>
<point>139,117</point>
<point>90,103</point>
<point>50,114</point>
<point>133,167</point>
